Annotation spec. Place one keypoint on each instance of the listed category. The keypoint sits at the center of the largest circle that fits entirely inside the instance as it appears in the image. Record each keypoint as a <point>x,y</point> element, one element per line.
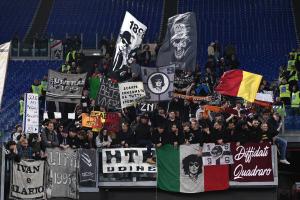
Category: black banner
<point>88,167</point>
<point>108,94</point>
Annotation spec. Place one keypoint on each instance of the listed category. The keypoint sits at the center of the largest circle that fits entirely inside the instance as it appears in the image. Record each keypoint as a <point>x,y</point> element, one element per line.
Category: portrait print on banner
<point>130,38</point>
<point>158,83</point>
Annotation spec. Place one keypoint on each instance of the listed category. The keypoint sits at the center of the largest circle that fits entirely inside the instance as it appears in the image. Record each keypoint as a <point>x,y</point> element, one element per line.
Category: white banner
<point>267,97</point>
<point>31,113</point>
<point>4,54</point>
<point>213,154</point>
<point>130,92</point>
<point>27,180</point>
<point>131,35</point>
<point>125,160</point>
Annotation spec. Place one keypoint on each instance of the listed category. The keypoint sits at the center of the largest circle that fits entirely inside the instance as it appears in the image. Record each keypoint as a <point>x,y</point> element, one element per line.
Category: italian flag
<point>181,170</point>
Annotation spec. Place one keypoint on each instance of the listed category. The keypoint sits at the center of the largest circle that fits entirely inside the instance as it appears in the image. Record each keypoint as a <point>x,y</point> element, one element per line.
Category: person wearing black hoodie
<point>177,137</point>
<point>125,136</point>
<point>143,137</point>
<point>161,136</point>
<point>218,133</point>
<point>254,132</point>
<point>240,136</point>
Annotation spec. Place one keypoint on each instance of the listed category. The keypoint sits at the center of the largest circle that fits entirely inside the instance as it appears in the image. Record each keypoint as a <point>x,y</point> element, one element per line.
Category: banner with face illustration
<point>180,43</point>
<point>158,83</point>
<point>130,38</point>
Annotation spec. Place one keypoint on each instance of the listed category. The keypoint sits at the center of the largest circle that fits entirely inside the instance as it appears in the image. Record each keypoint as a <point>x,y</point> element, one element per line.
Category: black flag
<point>180,43</point>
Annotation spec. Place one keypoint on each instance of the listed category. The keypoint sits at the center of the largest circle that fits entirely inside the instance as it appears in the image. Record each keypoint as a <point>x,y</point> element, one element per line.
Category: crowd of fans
<point>179,121</point>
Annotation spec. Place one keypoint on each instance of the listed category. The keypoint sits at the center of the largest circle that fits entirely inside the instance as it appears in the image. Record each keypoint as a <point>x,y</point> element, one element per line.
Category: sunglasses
<point>196,164</point>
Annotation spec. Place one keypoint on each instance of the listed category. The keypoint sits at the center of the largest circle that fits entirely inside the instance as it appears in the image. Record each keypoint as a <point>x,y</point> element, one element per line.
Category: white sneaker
<point>284,162</point>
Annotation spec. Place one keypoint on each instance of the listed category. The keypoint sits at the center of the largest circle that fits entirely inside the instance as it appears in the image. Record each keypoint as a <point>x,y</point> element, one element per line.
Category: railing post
<point>81,44</point>
<point>96,40</point>
<point>33,48</point>
<point>2,171</point>
<point>18,48</point>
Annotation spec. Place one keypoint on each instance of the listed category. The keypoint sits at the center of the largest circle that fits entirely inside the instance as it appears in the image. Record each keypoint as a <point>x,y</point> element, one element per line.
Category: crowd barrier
<point>127,167</point>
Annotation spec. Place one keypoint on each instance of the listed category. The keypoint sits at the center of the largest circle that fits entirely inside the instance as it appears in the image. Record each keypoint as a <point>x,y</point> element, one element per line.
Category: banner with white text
<point>252,163</point>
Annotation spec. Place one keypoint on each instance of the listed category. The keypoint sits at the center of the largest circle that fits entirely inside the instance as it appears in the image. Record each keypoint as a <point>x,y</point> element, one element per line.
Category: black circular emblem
<point>217,151</point>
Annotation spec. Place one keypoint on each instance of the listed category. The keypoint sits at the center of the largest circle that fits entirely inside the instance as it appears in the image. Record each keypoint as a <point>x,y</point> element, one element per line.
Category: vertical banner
<point>252,163</point>
<point>27,180</point>
<point>130,92</point>
<point>56,49</point>
<point>158,83</point>
<point>87,165</point>
<point>4,55</point>
<point>108,94</point>
<point>31,113</point>
<point>63,173</point>
<point>130,38</point>
<point>180,44</point>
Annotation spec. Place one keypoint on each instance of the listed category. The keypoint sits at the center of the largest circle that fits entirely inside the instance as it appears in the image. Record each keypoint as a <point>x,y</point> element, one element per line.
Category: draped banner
<point>63,173</point>
<point>126,160</point>
<point>180,44</point>
<point>91,121</point>
<point>112,122</point>
<point>65,87</point>
<point>158,83</point>
<point>28,180</point>
<point>88,167</point>
<point>130,38</point>
<point>252,163</point>
<point>108,94</point>
<point>181,170</point>
<point>4,55</point>
<point>130,92</point>
<point>31,113</point>
<point>213,154</point>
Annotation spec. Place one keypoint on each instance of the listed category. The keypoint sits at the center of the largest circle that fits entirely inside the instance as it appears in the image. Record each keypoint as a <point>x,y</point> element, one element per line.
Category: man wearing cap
<point>123,49</point>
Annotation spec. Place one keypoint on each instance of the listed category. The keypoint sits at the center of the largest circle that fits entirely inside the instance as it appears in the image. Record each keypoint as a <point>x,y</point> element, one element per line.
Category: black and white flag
<point>65,87</point>
<point>158,83</point>
<point>124,160</point>
<point>180,43</point>
<point>28,180</point>
<point>213,154</point>
<point>130,38</point>
<point>87,165</point>
<point>108,94</point>
<point>63,173</point>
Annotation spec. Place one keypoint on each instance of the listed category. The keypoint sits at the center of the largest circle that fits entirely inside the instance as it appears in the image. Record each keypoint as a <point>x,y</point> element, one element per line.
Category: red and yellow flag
<point>239,83</point>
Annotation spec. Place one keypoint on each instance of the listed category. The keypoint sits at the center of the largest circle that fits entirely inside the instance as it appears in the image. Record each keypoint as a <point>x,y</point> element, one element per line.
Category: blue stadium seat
<point>102,17</point>
<point>263,30</point>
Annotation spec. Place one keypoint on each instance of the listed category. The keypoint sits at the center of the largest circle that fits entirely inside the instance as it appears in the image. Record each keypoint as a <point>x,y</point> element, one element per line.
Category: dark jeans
<point>148,144</point>
<point>281,144</point>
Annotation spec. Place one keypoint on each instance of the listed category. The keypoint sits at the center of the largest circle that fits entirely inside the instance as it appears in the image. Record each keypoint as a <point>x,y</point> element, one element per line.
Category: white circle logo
<point>158,83</point>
